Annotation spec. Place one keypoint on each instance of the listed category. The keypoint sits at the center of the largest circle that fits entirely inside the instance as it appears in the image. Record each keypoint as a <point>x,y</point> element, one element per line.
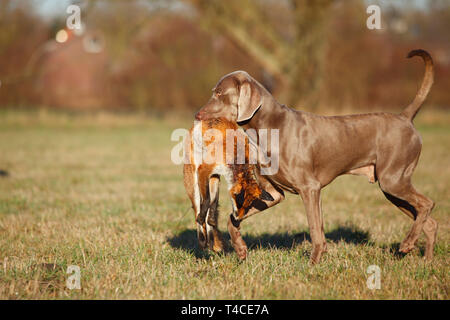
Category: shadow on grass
<point>187,240</point>
<point>394,249</point>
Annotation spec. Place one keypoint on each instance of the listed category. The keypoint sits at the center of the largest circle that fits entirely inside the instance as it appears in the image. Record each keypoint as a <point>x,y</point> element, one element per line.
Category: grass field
<point>100,192</point>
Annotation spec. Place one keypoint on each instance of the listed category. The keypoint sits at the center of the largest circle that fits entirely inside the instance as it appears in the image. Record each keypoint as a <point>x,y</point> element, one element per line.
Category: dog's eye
<point>218,92</point>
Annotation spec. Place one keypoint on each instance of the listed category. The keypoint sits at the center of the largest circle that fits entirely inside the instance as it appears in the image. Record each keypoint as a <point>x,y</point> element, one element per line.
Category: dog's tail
<point>411,110</point>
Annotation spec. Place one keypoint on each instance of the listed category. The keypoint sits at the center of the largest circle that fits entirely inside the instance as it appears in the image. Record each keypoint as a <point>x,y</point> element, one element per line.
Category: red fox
<point>202,177</point>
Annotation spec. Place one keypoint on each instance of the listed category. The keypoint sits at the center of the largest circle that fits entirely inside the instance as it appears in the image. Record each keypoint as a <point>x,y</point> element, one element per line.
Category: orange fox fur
<point>201,180</point>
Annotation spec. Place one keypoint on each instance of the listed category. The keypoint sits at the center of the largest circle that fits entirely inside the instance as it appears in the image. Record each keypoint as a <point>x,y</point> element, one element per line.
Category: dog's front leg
<point>236,237</point>
<point>311,199</point>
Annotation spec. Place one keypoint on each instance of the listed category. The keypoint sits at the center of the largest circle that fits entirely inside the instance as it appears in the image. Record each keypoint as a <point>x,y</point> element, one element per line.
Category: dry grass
<point>99,191</point>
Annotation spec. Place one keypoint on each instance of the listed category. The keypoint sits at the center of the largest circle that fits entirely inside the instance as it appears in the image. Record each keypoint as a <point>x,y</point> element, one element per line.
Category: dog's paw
<point>406,247</point>
<point>240,247</point>
<point>242,253</point>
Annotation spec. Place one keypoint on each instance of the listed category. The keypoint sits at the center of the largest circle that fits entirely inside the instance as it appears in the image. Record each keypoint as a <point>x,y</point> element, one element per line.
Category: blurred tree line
<point>161,55</point>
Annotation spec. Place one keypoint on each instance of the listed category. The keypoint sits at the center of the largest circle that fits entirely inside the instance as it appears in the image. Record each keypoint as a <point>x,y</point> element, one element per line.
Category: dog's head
<point>236,97</point>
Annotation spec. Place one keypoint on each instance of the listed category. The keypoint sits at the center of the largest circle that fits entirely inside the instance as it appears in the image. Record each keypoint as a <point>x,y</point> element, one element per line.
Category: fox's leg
<point>193,192</point>
<point>214,237</point>
<point>201,197</point>
<point>234,221</point>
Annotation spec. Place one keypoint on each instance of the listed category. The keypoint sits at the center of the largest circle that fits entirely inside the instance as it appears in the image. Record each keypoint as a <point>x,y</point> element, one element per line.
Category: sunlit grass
<point>99,191</point>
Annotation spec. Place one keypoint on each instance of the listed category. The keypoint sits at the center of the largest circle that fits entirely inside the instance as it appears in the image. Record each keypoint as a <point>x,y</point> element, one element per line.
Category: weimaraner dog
<point>314,150</point>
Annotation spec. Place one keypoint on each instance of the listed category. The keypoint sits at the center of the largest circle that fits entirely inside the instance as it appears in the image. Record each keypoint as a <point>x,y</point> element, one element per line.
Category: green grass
<point>99,191</point>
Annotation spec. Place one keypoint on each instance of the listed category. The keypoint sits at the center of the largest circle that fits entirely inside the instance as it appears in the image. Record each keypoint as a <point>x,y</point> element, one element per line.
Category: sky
<point>420,4</point>
<point>52,8</point>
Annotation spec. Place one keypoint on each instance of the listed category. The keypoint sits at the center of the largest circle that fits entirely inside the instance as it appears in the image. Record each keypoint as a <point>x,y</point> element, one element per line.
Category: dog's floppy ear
<point>250,100</point>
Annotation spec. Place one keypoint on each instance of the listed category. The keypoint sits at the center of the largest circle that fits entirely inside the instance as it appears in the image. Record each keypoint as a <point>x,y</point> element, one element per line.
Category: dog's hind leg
<point>430,228</point>
<point>394,170</point>
<point>415,205</point>
<point>418,207</point>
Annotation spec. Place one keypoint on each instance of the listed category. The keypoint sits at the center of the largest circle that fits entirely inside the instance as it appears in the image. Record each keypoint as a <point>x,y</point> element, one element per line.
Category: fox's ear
<point>266,196</point>
<point>239,198</point>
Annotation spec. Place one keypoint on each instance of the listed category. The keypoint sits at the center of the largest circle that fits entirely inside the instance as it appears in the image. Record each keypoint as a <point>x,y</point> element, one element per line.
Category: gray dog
<point>314,150</point>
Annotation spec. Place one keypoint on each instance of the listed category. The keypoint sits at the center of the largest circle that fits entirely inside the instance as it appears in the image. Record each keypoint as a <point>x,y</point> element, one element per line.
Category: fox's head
<point>247,193</point>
